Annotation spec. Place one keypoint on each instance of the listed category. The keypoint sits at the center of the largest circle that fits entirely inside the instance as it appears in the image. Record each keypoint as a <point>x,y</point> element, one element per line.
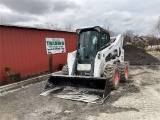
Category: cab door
<point>104,40</point>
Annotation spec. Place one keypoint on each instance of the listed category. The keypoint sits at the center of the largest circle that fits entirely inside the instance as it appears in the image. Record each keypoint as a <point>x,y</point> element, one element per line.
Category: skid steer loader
<point>93,70</point>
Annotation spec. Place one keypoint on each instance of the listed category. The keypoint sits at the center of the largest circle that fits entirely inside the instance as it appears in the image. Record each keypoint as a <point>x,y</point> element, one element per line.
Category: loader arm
<point>109,55</point>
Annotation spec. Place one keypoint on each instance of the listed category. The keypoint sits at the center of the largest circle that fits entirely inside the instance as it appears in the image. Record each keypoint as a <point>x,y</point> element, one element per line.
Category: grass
<point>153,52</point>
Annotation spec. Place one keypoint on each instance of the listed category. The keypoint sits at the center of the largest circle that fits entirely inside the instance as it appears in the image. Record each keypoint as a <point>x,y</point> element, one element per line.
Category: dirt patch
<point>136,99</point>
<point>145,84</point>
<point>137,56</point>
<point>158,90</point>
<point>130,89</point>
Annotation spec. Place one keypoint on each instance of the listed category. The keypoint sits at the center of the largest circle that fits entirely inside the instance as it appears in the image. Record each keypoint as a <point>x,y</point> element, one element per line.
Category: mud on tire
<point>124,71</point>
<point>111,72</point>
<point>65,70</point>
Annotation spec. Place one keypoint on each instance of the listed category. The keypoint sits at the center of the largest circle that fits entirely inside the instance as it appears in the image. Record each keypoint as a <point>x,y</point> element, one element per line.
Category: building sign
<point>55,45</point>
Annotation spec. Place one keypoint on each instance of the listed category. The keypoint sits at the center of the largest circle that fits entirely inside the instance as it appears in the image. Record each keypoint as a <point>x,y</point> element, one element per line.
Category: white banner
<point>55,45</point>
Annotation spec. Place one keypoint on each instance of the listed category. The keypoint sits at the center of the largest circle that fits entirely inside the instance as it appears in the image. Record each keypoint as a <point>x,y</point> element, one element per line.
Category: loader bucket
<point>79,88</point>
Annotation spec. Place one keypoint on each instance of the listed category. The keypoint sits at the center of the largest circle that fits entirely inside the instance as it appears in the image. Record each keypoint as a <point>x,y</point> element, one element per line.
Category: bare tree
<point>157,26</point>
<point>38,26</point>
<point>47,25</point>
<point>154,34</point>
<point>113,32</point>
<point>68,27</point>
<point>128,34</point>
<point>2,21</point>
<point>155,31</point>
<point>108,26</point>
<point>152,39</point>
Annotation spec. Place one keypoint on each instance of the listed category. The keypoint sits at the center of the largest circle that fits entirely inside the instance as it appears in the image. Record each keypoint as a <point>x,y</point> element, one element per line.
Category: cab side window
<point>104,39</point>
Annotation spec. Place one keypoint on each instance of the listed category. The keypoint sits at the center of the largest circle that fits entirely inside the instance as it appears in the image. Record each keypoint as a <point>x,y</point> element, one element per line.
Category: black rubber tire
<point>124,75</point>
<point>109,73</point>
<point>48,86</point>
<point>65,70</point>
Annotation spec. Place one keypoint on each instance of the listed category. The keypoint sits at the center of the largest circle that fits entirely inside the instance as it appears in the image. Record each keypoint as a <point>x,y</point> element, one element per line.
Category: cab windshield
<point>87,45</point>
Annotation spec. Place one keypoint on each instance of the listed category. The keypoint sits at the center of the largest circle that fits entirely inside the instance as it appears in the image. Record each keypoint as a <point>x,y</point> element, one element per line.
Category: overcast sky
<point>136,15</point>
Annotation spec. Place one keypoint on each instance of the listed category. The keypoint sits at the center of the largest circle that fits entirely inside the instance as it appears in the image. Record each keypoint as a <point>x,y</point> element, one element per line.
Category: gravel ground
<point>136,99</point>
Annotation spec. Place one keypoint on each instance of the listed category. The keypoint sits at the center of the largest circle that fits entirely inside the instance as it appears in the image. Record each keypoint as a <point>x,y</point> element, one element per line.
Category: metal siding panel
<point>70,46</point>
<point>57,59</point>
<point>43,51</point>
<point>0,55</point>
<point>24,50</point>
<point>25,55</point>
<point>34,56</point>
<point>7,56</point>
<point>5,53</point>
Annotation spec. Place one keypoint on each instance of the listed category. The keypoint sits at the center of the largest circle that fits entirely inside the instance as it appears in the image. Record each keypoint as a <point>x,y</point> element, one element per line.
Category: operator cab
<point>90,41</point>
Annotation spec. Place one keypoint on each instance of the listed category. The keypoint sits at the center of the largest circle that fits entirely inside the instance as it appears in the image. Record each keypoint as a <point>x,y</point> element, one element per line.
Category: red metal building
<point>23,49</point>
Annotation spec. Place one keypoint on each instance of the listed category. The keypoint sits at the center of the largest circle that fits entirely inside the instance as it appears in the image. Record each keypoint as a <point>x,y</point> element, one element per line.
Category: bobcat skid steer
<point>93,70</point>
